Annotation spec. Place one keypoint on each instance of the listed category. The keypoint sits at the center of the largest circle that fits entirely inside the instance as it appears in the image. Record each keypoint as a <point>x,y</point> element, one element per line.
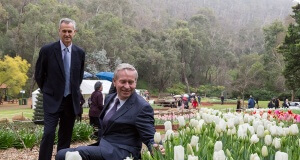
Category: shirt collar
<point>62,46</point>
<point>121,101</point>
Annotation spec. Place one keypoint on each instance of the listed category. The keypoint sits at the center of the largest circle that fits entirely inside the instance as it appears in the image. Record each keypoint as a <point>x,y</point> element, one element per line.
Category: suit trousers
<point>86,152</point>
<point>66,118</point>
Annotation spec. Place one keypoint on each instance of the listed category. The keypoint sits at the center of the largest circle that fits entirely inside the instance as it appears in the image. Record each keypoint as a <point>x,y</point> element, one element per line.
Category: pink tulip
<point>298,118</point>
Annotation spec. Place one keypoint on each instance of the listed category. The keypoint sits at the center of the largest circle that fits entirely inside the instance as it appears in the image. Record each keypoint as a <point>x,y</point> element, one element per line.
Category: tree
<point>273,61</point>
<point>13,73</point>
<point>290,49</point>
<point>38,114</point>
<point>248,74</point>
<point>97,61</point>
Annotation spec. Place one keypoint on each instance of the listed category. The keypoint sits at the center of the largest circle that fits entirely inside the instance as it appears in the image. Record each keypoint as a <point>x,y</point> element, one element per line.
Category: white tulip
<point>268,140</point>
<point>128,158</point>
<point>279,131</point>
<point>178,153</point>
<point>168,125</point>
<point>254,139</point>
<point>230,123</point>
<point>73,156</point>
<point>286,131</point>
<point>181,121</point>
<point>251,130</point>
<point>191,157</point>
<point>169,134</point>
<point>260,131</point>
<point>194,140</point>
<point>218,146</point>
<point>157,137</point>
<point>273,130</point>
<point>281,124</point>
<point>265,116</point>
<point>281,156</point>
<point>264,151</point>
<point>294,129</point>
<point>276,143</point>
<point>242,133</point>
<point>218,129</point>
<point>222,125</point>
<point>219,155</point>
<point>254,157</point>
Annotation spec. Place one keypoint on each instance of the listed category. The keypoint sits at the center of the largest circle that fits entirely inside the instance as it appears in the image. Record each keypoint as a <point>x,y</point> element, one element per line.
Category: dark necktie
<point>110,113</point>
<point>67,71</point>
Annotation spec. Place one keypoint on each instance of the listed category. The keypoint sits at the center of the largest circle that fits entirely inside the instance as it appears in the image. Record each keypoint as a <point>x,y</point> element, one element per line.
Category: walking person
<point>59,73</point>
<point>127,121</point>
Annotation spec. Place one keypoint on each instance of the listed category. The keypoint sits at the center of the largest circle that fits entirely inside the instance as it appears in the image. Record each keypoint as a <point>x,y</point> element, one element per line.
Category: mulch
<point>32,154</point>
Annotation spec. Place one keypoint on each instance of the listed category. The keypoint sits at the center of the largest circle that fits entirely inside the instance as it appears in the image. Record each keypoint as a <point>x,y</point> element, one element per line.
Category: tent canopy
<point>105,76</point>
<point>87,87</point>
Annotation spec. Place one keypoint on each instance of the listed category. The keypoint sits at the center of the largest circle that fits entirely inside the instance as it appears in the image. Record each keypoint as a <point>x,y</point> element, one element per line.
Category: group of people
<point>183,101</point>
<point>125,119</point>
<point>275,103</point>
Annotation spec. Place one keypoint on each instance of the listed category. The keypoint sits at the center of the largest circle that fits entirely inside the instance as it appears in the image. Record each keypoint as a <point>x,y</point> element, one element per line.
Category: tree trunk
<point>293,95</point>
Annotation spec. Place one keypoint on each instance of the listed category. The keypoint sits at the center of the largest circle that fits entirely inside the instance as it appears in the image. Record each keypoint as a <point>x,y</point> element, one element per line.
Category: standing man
<point>222,99</point>
<point>127,121</point>
<point>58,73</point>
<point>251,102</point>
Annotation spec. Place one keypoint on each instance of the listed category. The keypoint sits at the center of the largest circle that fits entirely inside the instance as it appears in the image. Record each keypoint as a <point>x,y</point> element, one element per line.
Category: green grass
<point>27,113</point>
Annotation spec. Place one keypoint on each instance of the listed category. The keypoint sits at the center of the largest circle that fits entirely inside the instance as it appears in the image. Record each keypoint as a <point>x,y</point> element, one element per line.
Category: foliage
<point>210,90</point>
<point>27,134</point>
<point>290,49</point>
<point>178,88</point>
<point>38,114</point>
<point>81,132</point>
<point>197,45</point>
<point>13,73</point>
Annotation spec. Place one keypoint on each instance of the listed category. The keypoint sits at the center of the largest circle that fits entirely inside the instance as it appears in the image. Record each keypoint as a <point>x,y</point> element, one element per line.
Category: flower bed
<point>212,134</point>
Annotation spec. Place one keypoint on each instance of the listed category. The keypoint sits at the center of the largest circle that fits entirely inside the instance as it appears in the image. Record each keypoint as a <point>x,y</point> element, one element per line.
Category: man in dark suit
<point>58,73</point>
<point>122,134</point>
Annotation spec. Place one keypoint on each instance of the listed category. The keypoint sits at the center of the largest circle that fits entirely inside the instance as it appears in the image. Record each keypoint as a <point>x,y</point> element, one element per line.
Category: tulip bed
<point>214,135</point>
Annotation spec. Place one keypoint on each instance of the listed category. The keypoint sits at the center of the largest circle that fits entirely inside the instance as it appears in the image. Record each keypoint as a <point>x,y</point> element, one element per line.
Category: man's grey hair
<point>125,66</point>
<point>67,21</point>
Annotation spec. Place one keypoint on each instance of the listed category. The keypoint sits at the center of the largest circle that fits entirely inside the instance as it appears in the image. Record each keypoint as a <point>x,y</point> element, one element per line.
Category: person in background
<point>222,99</point>
<point>286,103</point>
<point>256,101</point>
<point>82,101</point>
<point>238,105</point>
<point>96,105</point>
<point>59,73</point>
<point>194,103</point>
<point>251,102</point>
<point>199,100</point>
<point>271,104</point>
<point>127,121</point>
<point>276,102</point>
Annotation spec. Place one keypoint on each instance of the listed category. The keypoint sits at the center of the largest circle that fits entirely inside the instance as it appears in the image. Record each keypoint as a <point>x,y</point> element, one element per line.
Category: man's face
<point>125,84</point>
<point>66,33</point>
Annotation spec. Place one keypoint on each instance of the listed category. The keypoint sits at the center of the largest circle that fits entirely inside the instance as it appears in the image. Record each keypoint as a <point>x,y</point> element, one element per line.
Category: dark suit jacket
<point>50,76</point>
<point>131,125</point>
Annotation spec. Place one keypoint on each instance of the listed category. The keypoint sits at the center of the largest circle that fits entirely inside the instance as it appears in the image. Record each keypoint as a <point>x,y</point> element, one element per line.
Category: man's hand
<point>160,148</point>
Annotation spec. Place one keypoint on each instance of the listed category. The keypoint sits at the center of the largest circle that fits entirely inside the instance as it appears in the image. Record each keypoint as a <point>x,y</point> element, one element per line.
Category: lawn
<point>28,113</point>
